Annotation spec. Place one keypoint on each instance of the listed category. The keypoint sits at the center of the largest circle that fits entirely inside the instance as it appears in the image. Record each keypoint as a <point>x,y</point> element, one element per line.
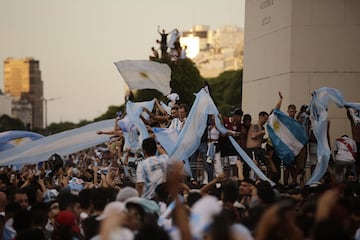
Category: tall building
<point>22,80</point>
<point>5,104</point>
<point>298,46</point>
<point>214,51</point>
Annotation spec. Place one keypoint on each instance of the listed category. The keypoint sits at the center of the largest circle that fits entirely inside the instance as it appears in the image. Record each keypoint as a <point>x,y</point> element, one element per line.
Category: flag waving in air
<point>287,135</point>
<point>145,74</point>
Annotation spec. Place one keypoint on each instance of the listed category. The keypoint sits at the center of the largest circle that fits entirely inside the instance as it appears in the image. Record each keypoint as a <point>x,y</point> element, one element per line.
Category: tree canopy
<point>185,81</point>
<point>226,90</point>
<point>8,123</point>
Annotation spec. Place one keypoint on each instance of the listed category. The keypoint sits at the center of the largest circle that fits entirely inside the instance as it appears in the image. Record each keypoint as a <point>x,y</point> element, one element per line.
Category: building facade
<point>22,81</point>
<point>296,47</point>
<point>5,104</point>
<point>214,51</point>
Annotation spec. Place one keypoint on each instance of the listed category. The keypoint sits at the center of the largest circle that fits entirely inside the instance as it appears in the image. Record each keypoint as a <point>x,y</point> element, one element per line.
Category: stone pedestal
<point>298,46</point>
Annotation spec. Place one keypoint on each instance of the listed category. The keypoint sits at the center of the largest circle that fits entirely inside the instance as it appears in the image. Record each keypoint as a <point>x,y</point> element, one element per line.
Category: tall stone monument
<point>298,46</point>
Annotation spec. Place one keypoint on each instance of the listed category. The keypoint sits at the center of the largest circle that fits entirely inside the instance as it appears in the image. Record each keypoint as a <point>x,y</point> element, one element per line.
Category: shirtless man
<point>255,138</point>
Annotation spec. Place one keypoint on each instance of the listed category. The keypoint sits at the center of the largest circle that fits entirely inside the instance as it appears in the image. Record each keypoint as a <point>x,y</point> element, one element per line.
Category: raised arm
<point>160,149</point>
<point>159,107</point>
<point>154,116</point>
<point>278,104</point>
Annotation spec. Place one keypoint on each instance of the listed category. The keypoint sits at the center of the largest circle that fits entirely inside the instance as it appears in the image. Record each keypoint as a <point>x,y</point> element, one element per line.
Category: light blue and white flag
<point>190,136</point>
<point>133,112</point>
<point>319,121</point>
<point>14,138</point>
<point>167,137</point>
<point>145,74</point>
<point>63,143</point>
<point>287,136</point>
<point>195,124</point>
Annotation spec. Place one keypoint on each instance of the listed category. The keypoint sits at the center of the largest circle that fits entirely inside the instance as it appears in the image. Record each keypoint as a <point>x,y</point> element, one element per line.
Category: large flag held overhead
<point>14,138</point>
<point>63,143</point>
<point>287,135</point>
<point>145,74</point>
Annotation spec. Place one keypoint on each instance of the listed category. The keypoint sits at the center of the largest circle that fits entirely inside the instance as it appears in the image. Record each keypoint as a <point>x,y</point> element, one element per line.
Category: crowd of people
<point>114,191</point>
<point>171,48</point>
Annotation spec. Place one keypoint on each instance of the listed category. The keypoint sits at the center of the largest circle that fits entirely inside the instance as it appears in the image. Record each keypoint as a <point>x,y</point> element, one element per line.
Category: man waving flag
<point>287,135</point>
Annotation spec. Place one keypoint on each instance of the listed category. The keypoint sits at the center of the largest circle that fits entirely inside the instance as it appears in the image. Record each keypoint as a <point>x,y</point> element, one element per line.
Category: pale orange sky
<point>77,41</point>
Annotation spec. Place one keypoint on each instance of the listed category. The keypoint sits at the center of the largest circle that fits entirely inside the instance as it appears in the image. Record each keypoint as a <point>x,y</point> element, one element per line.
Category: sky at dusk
<point>77,42</point>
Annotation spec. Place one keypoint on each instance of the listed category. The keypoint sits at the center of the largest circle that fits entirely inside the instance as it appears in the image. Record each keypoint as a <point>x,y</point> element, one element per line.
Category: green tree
<point>185,81</point>
<point>226,90</point>
<point>8,123</point>
<point>147,95</point>
<point>54,128</point>
<point>110,113</point>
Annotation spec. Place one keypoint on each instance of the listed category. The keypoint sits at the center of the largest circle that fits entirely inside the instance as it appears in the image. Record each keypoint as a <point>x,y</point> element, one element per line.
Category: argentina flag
<point>14,138</point>
<point>287,136</point>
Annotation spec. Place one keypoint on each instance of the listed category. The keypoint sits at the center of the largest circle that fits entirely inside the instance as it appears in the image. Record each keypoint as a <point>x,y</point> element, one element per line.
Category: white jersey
<point>151,172</point>
<point>345,149</point>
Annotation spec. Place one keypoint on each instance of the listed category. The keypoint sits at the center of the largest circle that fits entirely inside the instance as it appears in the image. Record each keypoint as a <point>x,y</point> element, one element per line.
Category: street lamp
<point>46,100</point>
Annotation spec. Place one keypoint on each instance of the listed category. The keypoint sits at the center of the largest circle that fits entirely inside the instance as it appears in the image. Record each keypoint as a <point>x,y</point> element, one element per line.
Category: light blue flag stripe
<point>133,111</point>
<point>6,137</point>
<point>295,128</point>
<point>195,124</point>
<point>167,137</point>
<point>318,116</point>
<point>281,148</point>
<point>288,137</point>
<point>63,143</point>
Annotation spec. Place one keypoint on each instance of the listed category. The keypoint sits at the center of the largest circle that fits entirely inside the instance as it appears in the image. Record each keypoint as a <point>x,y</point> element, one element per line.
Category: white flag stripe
<point>145,74</point>
<point>284,133</point>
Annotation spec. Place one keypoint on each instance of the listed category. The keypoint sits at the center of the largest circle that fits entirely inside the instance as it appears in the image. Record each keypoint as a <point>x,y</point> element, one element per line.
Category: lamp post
<point>46,100</point>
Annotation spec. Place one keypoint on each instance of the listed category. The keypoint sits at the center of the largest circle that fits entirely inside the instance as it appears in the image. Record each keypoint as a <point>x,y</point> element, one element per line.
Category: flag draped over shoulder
<point>145,74</point>
<point>288,137</point>
<point>319,122</point>
<point>14,138</point>
<point>63,143</point>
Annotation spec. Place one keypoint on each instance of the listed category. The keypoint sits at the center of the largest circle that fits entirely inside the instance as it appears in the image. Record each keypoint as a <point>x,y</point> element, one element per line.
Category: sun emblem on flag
<point>144,75</point>
<point>18,140</point>
<point>276,125</point>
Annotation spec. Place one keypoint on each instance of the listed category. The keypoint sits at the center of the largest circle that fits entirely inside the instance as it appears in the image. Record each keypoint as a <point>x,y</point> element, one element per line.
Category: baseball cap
<point>149,206</point>
<point>112,207</point>
<point>126,193</point>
